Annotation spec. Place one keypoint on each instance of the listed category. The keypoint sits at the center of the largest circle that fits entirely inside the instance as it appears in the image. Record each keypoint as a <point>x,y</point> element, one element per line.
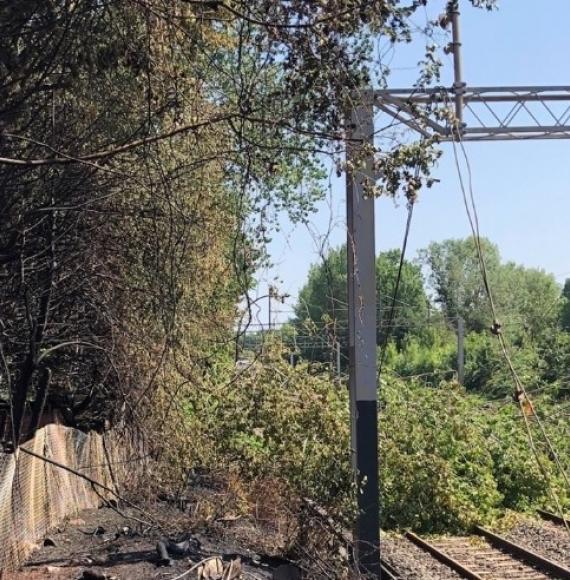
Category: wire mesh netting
<point>36,495</point>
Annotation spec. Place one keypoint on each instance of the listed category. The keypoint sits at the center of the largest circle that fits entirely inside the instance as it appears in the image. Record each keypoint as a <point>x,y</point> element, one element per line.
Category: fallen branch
<point>64,159</point>
<point>195,567</point>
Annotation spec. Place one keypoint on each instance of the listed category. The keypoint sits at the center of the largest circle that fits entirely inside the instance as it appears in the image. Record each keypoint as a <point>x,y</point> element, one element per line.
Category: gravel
<point>544,538</point>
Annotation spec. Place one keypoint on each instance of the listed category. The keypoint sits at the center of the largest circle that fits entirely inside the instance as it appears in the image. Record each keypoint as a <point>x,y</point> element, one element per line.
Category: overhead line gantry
<point>501,113</point>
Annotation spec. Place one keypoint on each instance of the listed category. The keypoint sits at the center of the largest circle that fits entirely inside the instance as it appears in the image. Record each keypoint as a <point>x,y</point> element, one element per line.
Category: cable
<point>383,348</point>
<point>520,394</point>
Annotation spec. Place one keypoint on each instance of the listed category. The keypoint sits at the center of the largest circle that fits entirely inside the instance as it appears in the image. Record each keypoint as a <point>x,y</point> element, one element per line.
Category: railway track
<point>489,557</point>
<point>553,518</point>
<point>486,556</point>
<point>388,572</point>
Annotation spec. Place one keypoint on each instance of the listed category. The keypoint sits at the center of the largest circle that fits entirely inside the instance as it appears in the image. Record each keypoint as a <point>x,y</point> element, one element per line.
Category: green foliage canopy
<point>322,304</point>
<point>526,296</point>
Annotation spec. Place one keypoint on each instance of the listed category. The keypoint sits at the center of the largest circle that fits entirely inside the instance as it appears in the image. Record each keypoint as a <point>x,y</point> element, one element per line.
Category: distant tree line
<point>442,285</point>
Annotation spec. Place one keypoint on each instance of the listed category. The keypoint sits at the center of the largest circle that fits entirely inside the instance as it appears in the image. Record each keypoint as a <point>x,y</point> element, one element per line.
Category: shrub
<point>487,372</point>
<point>430,358</point>
<point>519,479</point>
<point>436,469</point>
<point>448,459</point>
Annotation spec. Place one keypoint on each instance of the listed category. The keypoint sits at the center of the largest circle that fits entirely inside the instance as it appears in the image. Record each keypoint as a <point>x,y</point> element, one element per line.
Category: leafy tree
<point>125,208</point>
<point>411,304</point>
<point>455,279</point>
<point>322,306</point>
<point>527,297</point>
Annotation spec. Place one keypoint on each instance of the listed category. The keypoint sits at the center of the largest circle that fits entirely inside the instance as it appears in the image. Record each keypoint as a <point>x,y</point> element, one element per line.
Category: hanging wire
<point>520,394</point>
<point>412,196</point>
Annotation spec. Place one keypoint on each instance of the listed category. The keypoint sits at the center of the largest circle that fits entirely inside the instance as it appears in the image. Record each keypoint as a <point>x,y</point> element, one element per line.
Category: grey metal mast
<point>362,333</point>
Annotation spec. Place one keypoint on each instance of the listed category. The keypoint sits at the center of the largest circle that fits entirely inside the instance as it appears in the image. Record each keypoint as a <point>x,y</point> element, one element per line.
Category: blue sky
<point>522,188</point>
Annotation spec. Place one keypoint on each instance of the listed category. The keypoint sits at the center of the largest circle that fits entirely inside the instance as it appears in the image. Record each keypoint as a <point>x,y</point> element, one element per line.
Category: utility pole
<point>362,334</point>
<point>458,84</point>
<point>460,350</point>
<point>273,293</point>
<point>269,296</point>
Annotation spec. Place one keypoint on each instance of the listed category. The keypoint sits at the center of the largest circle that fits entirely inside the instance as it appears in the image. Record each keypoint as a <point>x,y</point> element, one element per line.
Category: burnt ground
<point>214,518</point>
<point>112,545</point>
<point>218,520</point>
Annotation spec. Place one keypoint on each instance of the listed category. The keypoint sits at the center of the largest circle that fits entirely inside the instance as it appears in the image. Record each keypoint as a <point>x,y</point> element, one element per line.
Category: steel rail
<point>387,571</point>
<point>553,518</point>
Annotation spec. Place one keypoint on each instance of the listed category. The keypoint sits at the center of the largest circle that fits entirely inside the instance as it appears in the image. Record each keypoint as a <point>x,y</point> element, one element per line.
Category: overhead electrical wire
<point>520,394</point>
<point>384,346</point>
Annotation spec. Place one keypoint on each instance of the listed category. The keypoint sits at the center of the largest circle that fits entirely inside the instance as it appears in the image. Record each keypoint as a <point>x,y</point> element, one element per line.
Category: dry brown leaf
<point>212,570</point>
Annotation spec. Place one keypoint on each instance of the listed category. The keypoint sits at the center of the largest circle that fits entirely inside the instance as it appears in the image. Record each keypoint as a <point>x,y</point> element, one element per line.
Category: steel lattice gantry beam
<point>479,113</point>
<point>486,114</point>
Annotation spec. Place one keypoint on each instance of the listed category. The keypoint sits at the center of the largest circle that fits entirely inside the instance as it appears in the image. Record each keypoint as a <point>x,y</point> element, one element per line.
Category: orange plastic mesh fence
<point>35,495</point>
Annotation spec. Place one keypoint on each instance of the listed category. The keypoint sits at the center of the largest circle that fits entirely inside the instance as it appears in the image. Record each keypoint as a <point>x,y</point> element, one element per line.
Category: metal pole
<point>269,294</point>
<point>458,84</point>
<point>362,336</point>
<point>460,350</point>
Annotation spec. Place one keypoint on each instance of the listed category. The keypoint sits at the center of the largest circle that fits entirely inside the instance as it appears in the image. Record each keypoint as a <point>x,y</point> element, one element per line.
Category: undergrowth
<point>448,458</point>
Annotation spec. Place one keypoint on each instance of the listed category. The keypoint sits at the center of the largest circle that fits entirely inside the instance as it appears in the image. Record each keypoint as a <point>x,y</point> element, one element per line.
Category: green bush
<point>436,469</point>
<point>487,372</point>
<point>274,420</point>
<point>430,358</point>
<point>519,479</point>
<point>448,458</point>
<point>554,350</point>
